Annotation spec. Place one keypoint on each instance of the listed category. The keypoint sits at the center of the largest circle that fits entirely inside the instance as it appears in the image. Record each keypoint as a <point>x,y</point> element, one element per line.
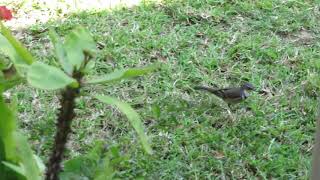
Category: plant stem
<point>315,171</point>
<point>65,117</point>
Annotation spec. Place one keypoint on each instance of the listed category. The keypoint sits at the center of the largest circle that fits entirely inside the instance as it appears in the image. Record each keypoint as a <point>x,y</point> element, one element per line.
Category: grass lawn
<point>273,44</point>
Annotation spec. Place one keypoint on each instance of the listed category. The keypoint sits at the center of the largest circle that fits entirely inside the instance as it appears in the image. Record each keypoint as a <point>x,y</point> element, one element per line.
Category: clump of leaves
<point>98,164</point>
<point>73,55</point>
<point>17,159</point>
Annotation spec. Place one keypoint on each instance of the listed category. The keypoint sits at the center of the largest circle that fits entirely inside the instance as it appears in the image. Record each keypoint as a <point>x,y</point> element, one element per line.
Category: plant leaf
<point>9,78</point>
<point>7,126</point>
<point>78,42</point>
<point>132,116</point>
<point>40,163</point>
<point>48,77</point>
<point>14,167</point>
<point>60,52</point>
<point>6,84</point>
<point>83,166</point>
<point>7,49</point>
<point>105,170</point>
<point>26,157</point>
<point>20,49</point>
<point>16,147</point>
<point>123,74</point>
<point>7,141</point>
<point>3,63</point>
<point>72,176</point>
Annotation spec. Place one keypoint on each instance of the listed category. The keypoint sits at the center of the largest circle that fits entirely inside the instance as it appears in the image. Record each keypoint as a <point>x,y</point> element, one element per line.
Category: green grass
<point>273,44</point>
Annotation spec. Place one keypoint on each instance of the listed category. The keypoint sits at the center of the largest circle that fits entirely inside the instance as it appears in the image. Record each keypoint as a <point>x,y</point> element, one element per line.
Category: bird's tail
<point>217,92</point>
<point>212,90</point>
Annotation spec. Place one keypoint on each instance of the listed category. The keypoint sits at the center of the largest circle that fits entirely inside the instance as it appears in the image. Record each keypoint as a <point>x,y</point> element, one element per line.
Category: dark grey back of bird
<point>230,95</point>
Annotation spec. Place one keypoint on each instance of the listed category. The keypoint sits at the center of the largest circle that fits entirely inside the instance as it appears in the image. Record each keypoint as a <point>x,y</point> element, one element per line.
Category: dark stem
<point>315,172</point>
<point>65,116</point>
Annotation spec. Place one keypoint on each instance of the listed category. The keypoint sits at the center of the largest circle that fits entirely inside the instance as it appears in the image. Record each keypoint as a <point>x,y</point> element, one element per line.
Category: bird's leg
<point>229,110</point>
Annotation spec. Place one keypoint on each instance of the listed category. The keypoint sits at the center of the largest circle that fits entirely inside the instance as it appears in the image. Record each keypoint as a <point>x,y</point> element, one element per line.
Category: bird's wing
<point>233,93</point>
<point>225,93</point>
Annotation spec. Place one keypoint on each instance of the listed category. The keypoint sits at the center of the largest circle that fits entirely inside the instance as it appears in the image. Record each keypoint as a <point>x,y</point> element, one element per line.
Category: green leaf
<point>20,49</point>
<point>9,78</point>
<point>156,111</point>
<point>48,77</point>
<point>123,74</point>
<point>14,167</point>
<point>40,163</point>
<point>72,176</point>
<point>83,166</point>
<point>7,49</point>
<point>6,84</point>
<point>3,65</point>
<point>105,170</point>
<point>7,127</point>
<point>60,52</point>
<point>26,157</point>
<point>16,147</point>
<point>7,141</point>
<point>132,116</point>
<point>89,67</point>
<point>78,42</point>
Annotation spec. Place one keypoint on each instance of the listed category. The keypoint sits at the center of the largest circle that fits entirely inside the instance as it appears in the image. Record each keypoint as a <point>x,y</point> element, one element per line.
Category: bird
<point>230,95</point>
